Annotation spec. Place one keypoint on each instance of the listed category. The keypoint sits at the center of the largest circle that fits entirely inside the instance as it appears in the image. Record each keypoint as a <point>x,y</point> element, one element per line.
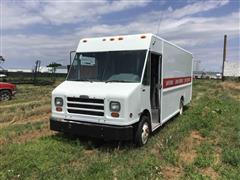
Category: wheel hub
<point>5,97</point>
<point>145,132</point>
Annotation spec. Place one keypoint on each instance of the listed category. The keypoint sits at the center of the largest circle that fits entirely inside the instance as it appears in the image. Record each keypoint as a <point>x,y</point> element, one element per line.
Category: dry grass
<point>187,149</point>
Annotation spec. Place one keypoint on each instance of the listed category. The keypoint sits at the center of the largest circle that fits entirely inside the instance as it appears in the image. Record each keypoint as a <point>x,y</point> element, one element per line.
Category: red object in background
<point>7,88</point>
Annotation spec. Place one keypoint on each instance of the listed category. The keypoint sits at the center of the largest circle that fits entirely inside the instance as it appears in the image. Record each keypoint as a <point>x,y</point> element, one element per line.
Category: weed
<point>231,156</point>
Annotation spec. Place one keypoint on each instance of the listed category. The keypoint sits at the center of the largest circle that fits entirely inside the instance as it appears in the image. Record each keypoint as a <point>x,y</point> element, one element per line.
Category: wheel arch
<point>5,89</point>
<point>146,112</point>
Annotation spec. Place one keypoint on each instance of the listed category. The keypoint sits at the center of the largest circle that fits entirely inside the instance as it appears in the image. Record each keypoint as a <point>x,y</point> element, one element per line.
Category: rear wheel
<point>5,95</point>
<point>143,131</point>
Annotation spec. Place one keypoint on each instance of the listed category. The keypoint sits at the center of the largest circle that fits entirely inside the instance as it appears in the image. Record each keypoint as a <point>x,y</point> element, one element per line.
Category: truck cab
<point>113,89</point>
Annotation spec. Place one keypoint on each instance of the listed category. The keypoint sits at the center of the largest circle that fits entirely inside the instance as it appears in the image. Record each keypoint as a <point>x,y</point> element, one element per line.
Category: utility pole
<point>224,55</point>
<point>1,61</point>
<point>36,70</point>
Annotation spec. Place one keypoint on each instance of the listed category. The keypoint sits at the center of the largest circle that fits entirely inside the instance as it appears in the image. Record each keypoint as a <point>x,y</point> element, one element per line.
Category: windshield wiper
<point>116,81</point>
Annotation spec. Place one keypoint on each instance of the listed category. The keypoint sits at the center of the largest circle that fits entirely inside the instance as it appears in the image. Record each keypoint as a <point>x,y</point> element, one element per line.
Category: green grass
<point>214,113</point>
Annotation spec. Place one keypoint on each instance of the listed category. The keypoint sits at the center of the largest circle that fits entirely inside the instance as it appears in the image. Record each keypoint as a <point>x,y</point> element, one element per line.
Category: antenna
<point>159,22</point>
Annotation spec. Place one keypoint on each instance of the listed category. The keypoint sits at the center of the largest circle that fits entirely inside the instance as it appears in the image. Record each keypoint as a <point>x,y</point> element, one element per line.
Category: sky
<point>48,30</point>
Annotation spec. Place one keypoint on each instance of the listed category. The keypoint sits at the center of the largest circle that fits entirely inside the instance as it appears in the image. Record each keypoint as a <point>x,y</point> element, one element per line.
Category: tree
<point>54,65</point>
<point>1,61</point>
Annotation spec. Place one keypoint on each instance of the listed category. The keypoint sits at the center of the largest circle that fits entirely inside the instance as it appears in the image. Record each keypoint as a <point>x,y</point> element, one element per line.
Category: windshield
<point>111,66</point>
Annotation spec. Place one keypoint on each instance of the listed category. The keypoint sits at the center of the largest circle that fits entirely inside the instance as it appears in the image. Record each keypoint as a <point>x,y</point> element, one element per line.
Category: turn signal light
<point>115,114</point>
<point>59,109</point>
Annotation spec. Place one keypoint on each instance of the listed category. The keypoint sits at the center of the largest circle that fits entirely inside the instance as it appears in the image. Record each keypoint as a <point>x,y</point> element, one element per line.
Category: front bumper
<point>106,132</point>
<point>14,92</point>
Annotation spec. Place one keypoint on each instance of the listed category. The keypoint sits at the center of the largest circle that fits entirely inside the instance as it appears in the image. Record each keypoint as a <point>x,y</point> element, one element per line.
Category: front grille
<point>85,106</point>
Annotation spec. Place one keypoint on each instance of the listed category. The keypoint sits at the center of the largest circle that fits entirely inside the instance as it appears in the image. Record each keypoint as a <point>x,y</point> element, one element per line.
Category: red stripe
<point>170,82</point>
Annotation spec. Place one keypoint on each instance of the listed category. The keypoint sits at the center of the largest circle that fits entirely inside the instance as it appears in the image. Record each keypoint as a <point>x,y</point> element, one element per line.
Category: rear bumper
<point>107,132</point>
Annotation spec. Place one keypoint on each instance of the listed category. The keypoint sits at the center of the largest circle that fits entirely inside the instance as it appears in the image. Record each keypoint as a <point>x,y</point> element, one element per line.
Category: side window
<point>146,76</point>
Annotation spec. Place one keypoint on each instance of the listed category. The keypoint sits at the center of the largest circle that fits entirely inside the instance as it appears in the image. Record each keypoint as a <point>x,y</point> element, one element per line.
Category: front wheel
<point>5,95</point>
<point>143,131</point>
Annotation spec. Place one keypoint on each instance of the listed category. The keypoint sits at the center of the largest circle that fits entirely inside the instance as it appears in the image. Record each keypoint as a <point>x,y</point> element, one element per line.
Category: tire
<point>143,131</point>
<point>181,107</point>
<point>5,95</point>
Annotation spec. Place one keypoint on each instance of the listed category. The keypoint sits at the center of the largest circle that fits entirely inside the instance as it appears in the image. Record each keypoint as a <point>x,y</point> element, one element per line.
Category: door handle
<point>160,86</point>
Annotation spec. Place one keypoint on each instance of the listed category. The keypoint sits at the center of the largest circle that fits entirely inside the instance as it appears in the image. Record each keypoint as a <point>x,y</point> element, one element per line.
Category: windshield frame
<point>117,81</point>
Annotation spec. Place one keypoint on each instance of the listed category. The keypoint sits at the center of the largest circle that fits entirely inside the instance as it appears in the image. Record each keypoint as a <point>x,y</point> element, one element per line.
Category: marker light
<point>131,115</point>
<point>59,109</point>
<point>115,114</point>
<point>103,39</point>
<point>143,36</point>
<point>112,39</point>
<point>120,38</point>
<point>84,41</point>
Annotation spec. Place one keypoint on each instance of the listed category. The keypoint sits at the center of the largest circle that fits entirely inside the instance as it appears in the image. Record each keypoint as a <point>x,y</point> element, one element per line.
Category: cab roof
<point>120,43</point>
<point>115,43</point>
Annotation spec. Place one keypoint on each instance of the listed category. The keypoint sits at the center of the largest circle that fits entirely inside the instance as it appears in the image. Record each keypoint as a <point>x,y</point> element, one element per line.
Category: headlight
<point>58,101</point>
<point>115,106</point>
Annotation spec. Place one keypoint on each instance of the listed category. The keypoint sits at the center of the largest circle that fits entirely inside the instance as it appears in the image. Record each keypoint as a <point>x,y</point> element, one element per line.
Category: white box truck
<point>122,87</point>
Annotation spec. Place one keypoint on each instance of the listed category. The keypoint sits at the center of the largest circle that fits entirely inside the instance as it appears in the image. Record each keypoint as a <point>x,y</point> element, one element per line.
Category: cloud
<point>15,17</point>
<point>197,7</point>
<point>27,49</point>
<point>18,15</point>
<point>181,26</point>
<point>187,31</point>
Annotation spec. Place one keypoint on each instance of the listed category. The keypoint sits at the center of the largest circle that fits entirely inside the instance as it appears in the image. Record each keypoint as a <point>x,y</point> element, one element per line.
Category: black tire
<point>143,131</point>
<point>181,106</point>
<point>5,95</point>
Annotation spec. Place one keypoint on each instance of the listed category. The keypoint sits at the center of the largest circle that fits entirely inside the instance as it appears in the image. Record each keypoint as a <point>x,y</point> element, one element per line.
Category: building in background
<point>231,69</point>
<point>24,70</point>
<point>61,70</point>
<point>42,69</point>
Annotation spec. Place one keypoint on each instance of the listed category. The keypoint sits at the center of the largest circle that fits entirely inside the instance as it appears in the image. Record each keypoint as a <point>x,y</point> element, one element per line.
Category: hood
<point>95,89</point>
<point>7,85</point>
